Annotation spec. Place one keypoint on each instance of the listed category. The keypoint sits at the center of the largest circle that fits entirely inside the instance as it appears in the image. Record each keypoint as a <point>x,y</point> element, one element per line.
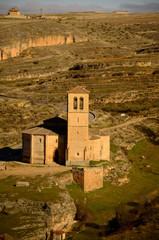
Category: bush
<point>36,62</point>
<point>134,107</point>
<point>82,213</point>
<point>155,72</point>
<point>134,215</point>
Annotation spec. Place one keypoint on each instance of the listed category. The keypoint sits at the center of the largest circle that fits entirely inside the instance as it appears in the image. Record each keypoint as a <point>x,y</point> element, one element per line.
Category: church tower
<point>77,127</point>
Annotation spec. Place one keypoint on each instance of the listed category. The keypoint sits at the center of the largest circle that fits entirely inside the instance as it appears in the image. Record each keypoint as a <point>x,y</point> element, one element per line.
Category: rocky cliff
<point>37,219</point>
<point>108,63</point>
<point>15,49</point>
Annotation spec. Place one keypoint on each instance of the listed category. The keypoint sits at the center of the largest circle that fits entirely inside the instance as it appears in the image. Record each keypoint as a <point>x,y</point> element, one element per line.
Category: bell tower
<point>77,127</point>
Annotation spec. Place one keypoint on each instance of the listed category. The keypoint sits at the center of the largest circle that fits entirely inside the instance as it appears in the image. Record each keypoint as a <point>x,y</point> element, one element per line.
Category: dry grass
<point>106,65</point>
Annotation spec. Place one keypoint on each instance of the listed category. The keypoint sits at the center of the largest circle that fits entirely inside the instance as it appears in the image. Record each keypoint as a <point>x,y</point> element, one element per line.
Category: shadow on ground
<point>9,154</point>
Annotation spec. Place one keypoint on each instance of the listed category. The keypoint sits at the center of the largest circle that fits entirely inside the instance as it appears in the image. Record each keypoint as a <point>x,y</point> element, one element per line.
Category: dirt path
<point>132,121</point>
<point>21,169</point>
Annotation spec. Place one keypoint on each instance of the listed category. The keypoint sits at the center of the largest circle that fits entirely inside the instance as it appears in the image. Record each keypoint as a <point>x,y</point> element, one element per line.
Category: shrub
<point>135,107</point>
<point>82,213</point>
<point>129,216</point>
<point>155,72</point>
<point>36,62</point>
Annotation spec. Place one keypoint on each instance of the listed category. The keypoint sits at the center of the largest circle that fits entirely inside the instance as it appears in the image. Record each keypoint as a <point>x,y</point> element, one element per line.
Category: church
<point>14,12</point>
<point>66,142</point>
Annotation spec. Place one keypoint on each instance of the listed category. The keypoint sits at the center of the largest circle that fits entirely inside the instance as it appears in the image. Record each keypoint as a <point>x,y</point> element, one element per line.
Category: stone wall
<point>51,145</point>
<point>26,147</point>
<point>100,148</point>
<point>89,178</point>
<point>93,178</point>
<point>14,50</point>
<point>39,149</point>
<point>14,13</point>
<point>78,176</point>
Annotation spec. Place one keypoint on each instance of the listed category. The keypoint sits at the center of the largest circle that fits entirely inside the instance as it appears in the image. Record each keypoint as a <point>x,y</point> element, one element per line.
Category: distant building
<point>86,12</point>
<point>66,142</point>
<point>14,12</point>
<point>121,12</point>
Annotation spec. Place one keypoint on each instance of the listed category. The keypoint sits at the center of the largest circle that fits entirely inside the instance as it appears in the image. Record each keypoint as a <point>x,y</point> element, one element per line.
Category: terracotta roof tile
<point>78,89</point>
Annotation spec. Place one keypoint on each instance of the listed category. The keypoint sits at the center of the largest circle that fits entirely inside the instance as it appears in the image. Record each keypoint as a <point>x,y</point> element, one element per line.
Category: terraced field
<point>117,58</point>
<point>118,64</point>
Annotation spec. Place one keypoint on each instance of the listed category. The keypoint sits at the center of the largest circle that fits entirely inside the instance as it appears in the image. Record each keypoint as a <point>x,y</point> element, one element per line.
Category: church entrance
<point>55,156</point>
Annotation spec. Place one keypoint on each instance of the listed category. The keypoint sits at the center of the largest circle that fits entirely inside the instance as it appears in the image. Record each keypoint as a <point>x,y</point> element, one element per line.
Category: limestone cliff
<point>37,219</point>
<point>14,50</point>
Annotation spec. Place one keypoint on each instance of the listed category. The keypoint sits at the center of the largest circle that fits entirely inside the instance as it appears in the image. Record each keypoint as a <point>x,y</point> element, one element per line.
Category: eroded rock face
<point>14,50</point>
<point>38,219</point>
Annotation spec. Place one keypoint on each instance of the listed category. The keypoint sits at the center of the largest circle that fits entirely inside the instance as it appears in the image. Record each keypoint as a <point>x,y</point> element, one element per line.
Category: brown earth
<point>22,169</point>
<point>119,65</point>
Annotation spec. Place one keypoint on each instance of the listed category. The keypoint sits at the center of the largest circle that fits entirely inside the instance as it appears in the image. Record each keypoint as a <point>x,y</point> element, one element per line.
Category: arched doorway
<point>55,156</point>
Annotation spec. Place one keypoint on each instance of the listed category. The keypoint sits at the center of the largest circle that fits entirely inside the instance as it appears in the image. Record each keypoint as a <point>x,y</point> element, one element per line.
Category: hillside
<point>117,61</point>
<point>117,58</point>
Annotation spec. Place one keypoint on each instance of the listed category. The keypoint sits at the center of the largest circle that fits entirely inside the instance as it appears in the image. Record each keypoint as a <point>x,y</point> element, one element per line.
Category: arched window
<point>75,103</point>
<point>81,102</point>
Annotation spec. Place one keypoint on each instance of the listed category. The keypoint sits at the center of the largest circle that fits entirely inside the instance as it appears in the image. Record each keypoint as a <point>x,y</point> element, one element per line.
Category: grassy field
<point>99,206</point>
<point>96,209</point>
<point>47,193</point>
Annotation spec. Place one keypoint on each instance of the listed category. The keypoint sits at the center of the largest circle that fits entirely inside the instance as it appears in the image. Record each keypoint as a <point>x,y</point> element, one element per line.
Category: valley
<point>116,57</point>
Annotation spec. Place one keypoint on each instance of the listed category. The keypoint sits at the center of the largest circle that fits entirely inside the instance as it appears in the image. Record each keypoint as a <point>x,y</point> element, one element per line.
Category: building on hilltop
<point>121,12</point>
<point>14,12</point>
<point>66,142</point>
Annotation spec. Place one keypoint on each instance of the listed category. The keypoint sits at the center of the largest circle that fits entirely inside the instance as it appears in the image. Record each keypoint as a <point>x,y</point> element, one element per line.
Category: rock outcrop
<point>107,63</point>
<point>15,50</point>
<point>37,219</point>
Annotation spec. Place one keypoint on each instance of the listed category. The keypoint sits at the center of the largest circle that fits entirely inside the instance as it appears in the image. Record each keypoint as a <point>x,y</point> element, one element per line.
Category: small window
<point>81,102</point>
<point>77,154</point>
<point>40,140</point>
<point>75,103</point>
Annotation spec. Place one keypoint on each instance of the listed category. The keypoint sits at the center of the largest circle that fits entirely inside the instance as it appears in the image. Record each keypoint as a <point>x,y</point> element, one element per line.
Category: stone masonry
<point>68,142</point>
<point>88,178</point>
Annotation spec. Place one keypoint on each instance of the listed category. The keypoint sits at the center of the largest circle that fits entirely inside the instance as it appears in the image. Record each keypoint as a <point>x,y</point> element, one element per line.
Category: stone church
<point>14,12</point>
<point>66,142</point>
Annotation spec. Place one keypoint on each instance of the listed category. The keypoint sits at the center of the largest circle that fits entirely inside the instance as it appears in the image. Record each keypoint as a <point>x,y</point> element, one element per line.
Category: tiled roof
<point>14,9</point>
<point>78,89</point>
<point>39,131</point>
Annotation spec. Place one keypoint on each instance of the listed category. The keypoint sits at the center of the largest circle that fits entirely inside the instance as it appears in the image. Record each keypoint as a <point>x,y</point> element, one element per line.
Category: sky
<point>102,3</point>
<point>130,5</point>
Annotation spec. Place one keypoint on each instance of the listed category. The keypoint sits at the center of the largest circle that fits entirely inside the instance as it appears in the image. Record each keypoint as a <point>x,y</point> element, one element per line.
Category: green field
<point>99,206</point>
